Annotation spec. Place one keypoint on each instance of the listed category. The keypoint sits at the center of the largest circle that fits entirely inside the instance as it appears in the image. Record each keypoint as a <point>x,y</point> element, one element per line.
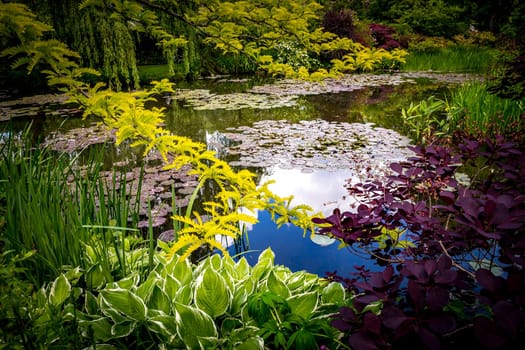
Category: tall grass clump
<point>472,109</point>
<point>452,59</point>
<point>78,221</point>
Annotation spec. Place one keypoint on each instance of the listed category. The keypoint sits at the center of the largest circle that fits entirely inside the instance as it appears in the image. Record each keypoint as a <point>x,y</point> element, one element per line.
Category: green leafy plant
<point>424,118</point>
<point>473,109</point>
<point>218,303</point>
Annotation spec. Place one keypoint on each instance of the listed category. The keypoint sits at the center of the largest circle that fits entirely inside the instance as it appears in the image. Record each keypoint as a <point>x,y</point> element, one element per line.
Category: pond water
<point>310,138</point>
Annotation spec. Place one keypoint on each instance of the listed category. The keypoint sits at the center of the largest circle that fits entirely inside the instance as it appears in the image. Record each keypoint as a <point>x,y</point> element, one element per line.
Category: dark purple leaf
<point>444,262</point>
<point>447,196</point>
<point>428,338</point>
<point>363,341</point>
<point>508,316</point>
<point>485,330</point>
<point>488,281</point>
<point>388,273</point>
<point>372,323</point>
<point>437,298</point>
<point>430,267</point>
<point>393,317</point>
<point>341,325</point>
<point>442,323</point>
<point>446,276</point>
<point>416,294</point>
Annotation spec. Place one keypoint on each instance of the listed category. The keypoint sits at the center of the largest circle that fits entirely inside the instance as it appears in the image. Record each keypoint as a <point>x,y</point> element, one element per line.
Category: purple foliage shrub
<point>383,36</point>
<point>463,277</point>
<point>345,25</point>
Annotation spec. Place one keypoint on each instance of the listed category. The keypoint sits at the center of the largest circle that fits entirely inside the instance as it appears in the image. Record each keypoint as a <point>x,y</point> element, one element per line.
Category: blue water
<point>323,190</point>
<point>297,252</point>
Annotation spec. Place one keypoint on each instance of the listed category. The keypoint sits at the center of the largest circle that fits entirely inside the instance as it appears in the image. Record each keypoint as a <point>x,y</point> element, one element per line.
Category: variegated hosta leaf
<point>193,324</point>
<point>276,285</point>
<point>212,294</point>
<point>125,302</point>
<point>303,304</point>
<point>60,290</point>
<point>333,293</point>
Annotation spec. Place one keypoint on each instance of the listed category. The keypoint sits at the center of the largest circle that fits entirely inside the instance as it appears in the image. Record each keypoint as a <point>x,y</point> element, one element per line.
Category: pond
<point>310,138</point>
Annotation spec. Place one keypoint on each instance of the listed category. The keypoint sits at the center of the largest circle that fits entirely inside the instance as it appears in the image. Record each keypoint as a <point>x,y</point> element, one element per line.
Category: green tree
<point>106,32</point>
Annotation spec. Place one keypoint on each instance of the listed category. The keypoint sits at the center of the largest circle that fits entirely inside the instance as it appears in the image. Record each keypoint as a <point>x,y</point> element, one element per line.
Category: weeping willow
<point>103,40</point>
<point>187,57</point>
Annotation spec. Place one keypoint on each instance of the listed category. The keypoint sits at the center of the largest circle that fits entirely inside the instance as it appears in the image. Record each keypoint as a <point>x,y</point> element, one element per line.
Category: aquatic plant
<point>55,209</point>
<point>452,59</point>
<point>462,276</point>
<point>472,108</point>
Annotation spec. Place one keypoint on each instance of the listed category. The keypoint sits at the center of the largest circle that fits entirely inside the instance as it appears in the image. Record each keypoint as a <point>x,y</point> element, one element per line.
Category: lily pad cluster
<point>34,106</point>
<point>284,93</point>
<point>205,100</point>
<point>355,82</point>
<point>317,144</point>
<point>79,138</point>
<point>159,190</point>
<point>157,184</point>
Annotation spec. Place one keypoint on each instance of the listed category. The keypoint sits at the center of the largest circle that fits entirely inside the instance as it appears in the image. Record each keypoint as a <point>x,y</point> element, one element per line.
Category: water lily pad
<point>322,240</point>
<point>318,144</point>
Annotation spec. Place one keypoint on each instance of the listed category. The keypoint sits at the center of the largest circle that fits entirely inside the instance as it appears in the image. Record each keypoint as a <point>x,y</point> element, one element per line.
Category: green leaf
<point>240,295</point>
<point>91,304</point>
<point>193,324</point>
<point>303,304</point>
<point>212,294</point>
<point>125,302</point>
<point>261,270</point>
<point>182,271</point>
<point>267,254</point>
<point>277,286</point>
<point>145,289</point>
<point>159,300</point>
<point>216,262</point>
<point>123,329</point>
<point>254,343</point>
<point>163,324</point>
<point>184,295</point>
<point>60,290</point>
<point>302,339</point>
<point>100,328</point>
<point>242,268</point>
<point>171,286</point>
<point>296,281</point>
<point>333,293</point>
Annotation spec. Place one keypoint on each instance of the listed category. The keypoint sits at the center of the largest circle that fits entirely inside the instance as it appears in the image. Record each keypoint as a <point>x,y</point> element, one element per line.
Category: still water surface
<point>322,189</point>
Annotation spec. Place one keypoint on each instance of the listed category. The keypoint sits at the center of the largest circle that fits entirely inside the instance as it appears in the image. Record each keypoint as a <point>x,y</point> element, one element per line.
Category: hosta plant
<point>218,303</point>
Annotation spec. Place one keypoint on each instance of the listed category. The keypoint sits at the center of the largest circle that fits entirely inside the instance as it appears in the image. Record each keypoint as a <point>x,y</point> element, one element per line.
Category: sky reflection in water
<point>322,190</point>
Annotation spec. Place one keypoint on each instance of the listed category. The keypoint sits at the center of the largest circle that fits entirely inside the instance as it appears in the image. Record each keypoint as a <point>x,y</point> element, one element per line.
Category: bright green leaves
<point>125,302</point>
<point>16,20</point>
<point>217,303</point>
<point>194,326</point>
<point>60,291</point>
<point>212,294</point>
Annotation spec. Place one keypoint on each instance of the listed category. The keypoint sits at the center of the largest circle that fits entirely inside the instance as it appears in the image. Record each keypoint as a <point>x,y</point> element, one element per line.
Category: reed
<point>452,59</point>
<point>473,109</point>
<point>56,217</point>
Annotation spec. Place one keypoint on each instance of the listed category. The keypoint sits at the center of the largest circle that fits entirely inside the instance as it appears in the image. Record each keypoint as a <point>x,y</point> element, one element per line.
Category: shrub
<point>384,36</point>
<point>461,275</point>
<point>345,24</point>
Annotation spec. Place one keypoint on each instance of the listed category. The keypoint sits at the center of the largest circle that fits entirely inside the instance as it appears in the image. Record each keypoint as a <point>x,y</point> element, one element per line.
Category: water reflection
<point>324,191</point>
